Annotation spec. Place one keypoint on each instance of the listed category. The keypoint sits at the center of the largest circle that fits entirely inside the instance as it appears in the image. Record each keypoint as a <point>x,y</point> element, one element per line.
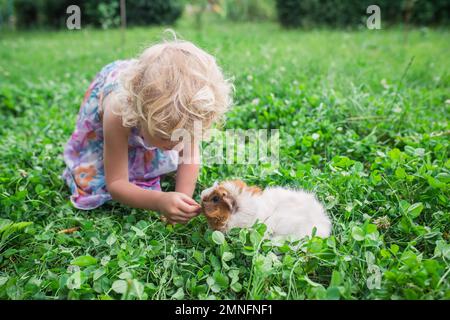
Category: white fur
<point>285,212</point>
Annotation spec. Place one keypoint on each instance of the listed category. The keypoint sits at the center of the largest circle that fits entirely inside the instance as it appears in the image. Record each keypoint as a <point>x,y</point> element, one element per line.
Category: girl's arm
<point>176,206</point>
<point>115,159</point>
<point>187,173</point>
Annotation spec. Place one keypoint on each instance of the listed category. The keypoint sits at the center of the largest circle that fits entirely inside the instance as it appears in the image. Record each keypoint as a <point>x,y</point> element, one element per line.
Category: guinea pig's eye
<point>215,199</point>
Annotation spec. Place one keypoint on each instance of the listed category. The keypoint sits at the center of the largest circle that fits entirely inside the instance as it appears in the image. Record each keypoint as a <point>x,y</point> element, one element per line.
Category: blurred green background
<point>291,13</point>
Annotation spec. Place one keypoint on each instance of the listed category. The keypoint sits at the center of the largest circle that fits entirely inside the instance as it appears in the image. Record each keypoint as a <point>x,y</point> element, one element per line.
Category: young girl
<point>122,140</point>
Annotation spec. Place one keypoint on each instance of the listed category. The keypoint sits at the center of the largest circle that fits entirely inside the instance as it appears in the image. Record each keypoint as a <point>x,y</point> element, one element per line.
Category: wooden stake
<point>123,20</point>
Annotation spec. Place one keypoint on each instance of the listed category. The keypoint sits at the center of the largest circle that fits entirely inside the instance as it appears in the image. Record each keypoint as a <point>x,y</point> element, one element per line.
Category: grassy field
<point>368,111</point>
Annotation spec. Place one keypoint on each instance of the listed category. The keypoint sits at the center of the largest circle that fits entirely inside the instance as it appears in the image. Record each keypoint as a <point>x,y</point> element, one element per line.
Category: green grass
<point>367,113</point>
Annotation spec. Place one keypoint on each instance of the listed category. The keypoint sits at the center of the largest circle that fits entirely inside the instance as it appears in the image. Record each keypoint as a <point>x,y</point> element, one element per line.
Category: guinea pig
<point>285,212</point>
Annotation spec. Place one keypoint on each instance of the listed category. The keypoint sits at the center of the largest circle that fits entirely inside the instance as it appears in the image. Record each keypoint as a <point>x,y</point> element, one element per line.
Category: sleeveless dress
<point>83,153</point>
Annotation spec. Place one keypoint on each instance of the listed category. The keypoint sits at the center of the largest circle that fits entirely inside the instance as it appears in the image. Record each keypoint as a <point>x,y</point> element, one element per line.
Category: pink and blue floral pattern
<point>83,153</point>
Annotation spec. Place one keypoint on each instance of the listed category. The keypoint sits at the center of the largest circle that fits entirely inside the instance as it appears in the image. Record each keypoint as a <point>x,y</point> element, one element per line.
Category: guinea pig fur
<point>285,212</point>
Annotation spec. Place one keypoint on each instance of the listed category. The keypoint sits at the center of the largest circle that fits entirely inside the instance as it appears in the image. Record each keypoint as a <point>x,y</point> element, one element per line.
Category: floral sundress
<point>83,153</point>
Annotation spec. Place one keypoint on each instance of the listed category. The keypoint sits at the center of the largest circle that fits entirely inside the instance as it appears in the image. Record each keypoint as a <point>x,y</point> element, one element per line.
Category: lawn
<point>363,119</point>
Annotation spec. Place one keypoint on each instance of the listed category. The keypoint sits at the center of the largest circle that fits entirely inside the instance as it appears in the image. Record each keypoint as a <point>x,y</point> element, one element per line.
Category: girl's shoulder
<point>111,78</point>
<point>112,70</point>
<point>117,64</point>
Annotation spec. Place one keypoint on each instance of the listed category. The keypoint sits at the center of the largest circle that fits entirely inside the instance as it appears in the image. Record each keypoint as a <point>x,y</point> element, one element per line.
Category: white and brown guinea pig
<point>285,212</point>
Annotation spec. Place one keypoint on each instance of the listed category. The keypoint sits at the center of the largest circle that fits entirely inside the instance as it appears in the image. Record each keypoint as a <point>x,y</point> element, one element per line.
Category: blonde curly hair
<point>172,85</point>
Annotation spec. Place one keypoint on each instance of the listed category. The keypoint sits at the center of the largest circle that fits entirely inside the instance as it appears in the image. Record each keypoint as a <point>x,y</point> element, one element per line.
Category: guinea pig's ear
<point>229,201</point>
<point>215,184</point>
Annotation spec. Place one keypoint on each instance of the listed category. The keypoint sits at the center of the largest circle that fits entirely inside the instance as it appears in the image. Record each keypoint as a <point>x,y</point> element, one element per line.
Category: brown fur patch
<point>217,213</point>
<point>241,185</point>
<point>254,190</point>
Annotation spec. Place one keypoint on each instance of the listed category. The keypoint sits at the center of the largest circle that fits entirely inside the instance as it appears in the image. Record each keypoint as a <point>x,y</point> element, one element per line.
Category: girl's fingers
<point>199,210</point>
<point>192,202</point>
<point>185,216</point>
<point>182,217</point>
<point>174,219</point>
<point>169,220</point>
<point>188,215</point>
<point>189,200</point>
<point>188,208</point>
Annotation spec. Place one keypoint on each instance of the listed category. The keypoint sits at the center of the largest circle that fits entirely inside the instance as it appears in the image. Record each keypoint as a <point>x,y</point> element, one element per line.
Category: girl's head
<point>171,86</point>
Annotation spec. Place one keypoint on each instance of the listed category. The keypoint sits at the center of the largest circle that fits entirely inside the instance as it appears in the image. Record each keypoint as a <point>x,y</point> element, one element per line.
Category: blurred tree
<point>26,12</point>
<point>250,10</point>
<point>148,12</point>
<point>234,10</point>
<point>104,13</point>
<point>108,16</point>
<point>198,8</point>
<point>337,13</point>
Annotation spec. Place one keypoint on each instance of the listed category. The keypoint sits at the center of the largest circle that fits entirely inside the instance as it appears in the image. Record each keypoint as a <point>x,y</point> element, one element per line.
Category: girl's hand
<point>178,207</point>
